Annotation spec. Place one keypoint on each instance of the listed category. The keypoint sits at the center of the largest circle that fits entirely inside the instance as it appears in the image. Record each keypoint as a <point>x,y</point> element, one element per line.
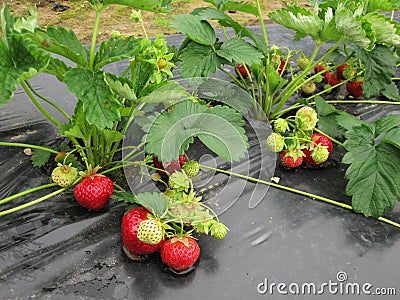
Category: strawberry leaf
<point>392,137</point>
<point>391,92</point>
<point>385,124</point>
<point>240,51</point>
<point>380,64</point>
<point>40,157</point>
<point>60,41</point>
<point>196,29</point>
<point>157,203</point>
<point>220,128</point>
<point>121,86</point>
<point>351,27</point>
<point>373,171</point>
<point>239,6</point>
<point>99,104</point>
<point>299,19</point>
<point>386,31</point>
<point>375,5</point>
<point>116,49</point>
<point>198,61</point>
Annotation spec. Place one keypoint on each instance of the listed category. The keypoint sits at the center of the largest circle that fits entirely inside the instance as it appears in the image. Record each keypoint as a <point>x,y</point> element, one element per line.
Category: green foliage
<point>154,202</point>
<point>237,50</point>
<point>40,157</point>
<point>220,128</point>
<point>196,29</point>
<point>99,104</point>
<point>373,171</point>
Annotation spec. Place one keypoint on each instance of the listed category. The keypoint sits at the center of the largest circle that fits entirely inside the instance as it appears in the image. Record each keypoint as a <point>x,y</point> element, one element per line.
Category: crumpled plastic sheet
<point>58,250</point>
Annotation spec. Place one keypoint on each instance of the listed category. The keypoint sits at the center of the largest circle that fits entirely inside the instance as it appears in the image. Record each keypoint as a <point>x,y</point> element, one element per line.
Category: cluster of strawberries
<point>333,77</point>
<point>295,140</point>
<point>143,230</point>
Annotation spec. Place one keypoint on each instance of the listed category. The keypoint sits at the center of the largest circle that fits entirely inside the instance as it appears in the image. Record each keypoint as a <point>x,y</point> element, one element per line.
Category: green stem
<point>38,105</point>
<point>262,22</point>
<point>98,10</point>
<point>23,206</point>
<point>38,188</point>
<point>7,144</point>
<point>360,101</point>
<point>56,106</point>
<point>289,189</point>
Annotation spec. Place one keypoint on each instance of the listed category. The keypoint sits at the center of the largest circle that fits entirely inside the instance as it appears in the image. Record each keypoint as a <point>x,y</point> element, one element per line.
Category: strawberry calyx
<point>91,172</point>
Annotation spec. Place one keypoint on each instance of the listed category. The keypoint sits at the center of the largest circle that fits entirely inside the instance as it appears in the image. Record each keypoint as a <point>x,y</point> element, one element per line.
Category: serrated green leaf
<point>40,157</point>
<point>121,86</point>
<point>351,27</point>
<point>327,122</point>
<point>116,49</point>
<point>374,168</point>
<point>198,61</point>
<point>198,30</point>
<point>386,31</point>
<point>300,20</point>
<point>240,51</point>
<point>141,73</point>
<point>7,22</point>
<point>375,5</point>
<point>329,31</point>
<point>157,203</point>
<point>347,120</point>
<point>379,69</point>
<point>169,93</point>
<point>239,6</point>
<point>373,183</point>
<point>9,75</point>
<point>226,93</point>
<point>392,137</point>
<point>29,22</point>
<point>57,67</point>
<point>220,128</point>
<point>148,5</point>
<point>387,123</point>
<point>392,92</point>
<point>127,197</point>
<point>78,128</point>
<point>60,41</point>
<point>99,105</point>
<point>18,63</point>
<point>208,13</point>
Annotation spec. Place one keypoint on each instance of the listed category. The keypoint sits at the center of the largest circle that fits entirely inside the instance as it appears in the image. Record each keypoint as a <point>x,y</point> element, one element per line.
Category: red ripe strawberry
<point>180,253</point>
<point>355,87</point>
<point>240,69</point>
<point>129,227</point>
<point>331,79</point>
<point>339,71</point>
<point>289,161</point>
<point>94,191</point>
<point>319,68</point>
<point>281,68</point>
<point>317,139</point>
<point>182,159</point>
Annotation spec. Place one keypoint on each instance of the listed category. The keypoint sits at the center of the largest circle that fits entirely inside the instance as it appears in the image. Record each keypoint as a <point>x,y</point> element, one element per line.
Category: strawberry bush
<point>356,47</point>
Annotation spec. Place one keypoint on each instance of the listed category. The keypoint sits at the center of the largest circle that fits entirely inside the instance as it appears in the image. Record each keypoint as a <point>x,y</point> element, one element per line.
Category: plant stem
<point>35,189</point>
<point>98,10</point>
<point>38,105</point>
<point>9,144</point>
<point>48,101</point>
<point>262,22</point>
<point>289,189</point>
<point>11,210</point>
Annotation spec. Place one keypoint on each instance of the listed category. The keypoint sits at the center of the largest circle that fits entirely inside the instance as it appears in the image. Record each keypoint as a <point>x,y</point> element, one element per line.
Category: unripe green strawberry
<point>64,176</point>
<point>219,230</point>
<point>306,118</point>
<point>281,125</point>
<point>308,87</point>
<point>303,61</point>
<point>191,168</point>
<point>150,231</point>
<point>275,142</point>
<point>349,73</point>
<point>320,154</point>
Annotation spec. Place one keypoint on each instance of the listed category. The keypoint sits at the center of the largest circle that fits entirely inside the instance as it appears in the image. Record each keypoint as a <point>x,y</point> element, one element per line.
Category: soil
<point>80,17</point>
